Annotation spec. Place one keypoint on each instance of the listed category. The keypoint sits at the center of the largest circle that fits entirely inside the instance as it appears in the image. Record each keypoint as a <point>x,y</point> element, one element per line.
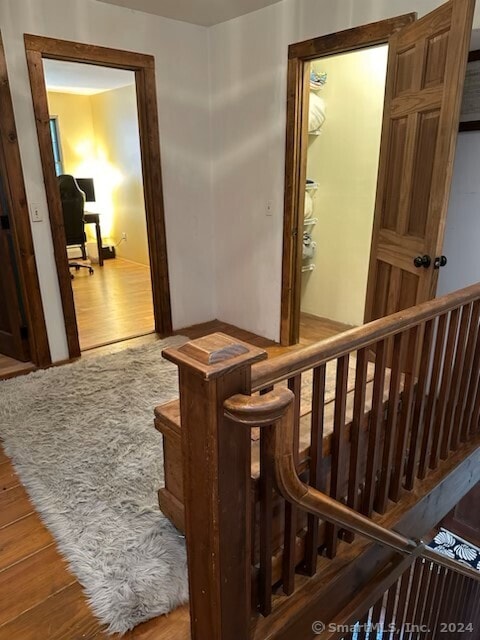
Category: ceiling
<point>202,12</point>
<point>84,79</point>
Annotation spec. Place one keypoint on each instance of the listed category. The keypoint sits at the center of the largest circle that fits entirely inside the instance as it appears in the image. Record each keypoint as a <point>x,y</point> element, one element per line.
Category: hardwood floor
<point>115,303</point>
<point>315,329</point>
<point>40,599</point>
<point>10,368</point>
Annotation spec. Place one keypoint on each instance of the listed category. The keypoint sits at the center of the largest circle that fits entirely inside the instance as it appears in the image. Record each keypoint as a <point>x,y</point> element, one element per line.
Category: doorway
<point>423,90</point>
<point>23,335</point>
<point>346,101</point>
<point>110,149</point>
<point>95,140</point>
<point>303,58</point>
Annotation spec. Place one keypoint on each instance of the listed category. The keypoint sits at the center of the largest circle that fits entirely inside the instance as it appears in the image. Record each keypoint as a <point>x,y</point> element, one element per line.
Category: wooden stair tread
<point>167,418</point>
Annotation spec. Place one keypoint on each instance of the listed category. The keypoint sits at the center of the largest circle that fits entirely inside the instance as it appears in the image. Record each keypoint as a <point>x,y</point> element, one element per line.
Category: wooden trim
<point>290,226</point>
<point>79,52</point>
<point>300,54</point>
<point>366,35</point>
<point>20,225</point>
<point>39,95</point>
<point>37,48</point>
<point>153,193</point>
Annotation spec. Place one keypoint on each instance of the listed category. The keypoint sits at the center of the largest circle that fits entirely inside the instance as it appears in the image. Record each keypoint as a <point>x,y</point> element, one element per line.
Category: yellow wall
<point>118,145</point>
<point>343,160</point>
<point>99,139</point>
<point>77,134</point>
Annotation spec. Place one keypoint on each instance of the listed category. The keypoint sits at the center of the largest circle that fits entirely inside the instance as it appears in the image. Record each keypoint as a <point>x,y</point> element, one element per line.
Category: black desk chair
<point>73,203</point>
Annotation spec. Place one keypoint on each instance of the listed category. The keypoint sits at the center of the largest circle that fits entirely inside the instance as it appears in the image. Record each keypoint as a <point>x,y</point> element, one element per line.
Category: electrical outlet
<point>124,235</point>
<point>36,213</point>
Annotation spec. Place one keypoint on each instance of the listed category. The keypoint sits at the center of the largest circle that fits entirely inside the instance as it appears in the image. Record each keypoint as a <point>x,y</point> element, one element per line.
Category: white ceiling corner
<point>202,12</point>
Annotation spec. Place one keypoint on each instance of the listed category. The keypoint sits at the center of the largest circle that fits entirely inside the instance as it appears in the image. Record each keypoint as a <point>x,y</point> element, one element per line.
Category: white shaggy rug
<point>82,439</point>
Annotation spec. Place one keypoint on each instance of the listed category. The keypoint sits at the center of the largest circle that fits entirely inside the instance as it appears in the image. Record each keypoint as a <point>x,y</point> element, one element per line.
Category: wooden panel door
<point>13,332</point>
<point>425,74</point>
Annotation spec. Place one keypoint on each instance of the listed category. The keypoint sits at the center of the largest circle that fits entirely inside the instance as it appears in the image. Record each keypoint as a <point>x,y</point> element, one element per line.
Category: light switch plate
<point>36,213</point>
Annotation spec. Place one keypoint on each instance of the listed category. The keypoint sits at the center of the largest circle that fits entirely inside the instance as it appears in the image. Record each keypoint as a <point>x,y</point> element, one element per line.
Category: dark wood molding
<point>42,117</point>
<point>20,224</point>
<point>57,49</point>
<point>300,54</point>
<point>153,193</point>
<point>37,48</point>
<point>366,35</point>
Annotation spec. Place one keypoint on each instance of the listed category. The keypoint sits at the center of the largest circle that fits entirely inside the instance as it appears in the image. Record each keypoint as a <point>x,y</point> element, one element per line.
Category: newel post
<point>216,472</point>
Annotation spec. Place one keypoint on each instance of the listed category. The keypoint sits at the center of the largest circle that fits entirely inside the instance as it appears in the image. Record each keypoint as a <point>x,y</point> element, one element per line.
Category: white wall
<point>248,59</point>
<point>462,234</point>
<point>181,55</point>
<point>222,149</point>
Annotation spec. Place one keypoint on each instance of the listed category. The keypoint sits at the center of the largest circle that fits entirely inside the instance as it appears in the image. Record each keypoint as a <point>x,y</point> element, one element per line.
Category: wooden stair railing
<point>411,450</point>
<point>216,458</point>
<point>276,408</point>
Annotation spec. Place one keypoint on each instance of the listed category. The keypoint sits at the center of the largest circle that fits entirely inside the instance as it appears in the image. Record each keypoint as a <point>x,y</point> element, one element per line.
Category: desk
<point>94,218</point>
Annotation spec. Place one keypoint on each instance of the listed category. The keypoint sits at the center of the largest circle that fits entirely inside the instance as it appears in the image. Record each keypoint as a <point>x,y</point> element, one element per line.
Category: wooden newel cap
<point>214,355</point>
<point>256,411</point>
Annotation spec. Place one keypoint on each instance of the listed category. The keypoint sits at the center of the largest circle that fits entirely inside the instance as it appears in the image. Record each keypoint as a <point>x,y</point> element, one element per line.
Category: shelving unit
<point>317,116</point>
<point>308,224</point>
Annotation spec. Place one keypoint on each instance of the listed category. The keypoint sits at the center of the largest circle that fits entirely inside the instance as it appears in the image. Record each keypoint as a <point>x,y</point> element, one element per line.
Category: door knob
<point>440,261</point>
<point>422,261</point>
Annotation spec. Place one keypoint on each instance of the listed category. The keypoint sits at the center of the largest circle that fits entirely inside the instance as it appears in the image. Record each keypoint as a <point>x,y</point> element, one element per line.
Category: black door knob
<point>422,261</point>
<point>440,261</point>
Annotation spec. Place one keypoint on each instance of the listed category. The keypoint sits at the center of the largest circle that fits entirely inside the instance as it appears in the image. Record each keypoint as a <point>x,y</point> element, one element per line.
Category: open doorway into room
<point>346,100</point>
<point>409,195</point>
<point>23,333</point>
<point>96,146</point>
<point>98,132</point>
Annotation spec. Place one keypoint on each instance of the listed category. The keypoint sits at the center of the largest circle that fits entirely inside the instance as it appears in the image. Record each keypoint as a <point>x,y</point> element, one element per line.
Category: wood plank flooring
<point>9,368</point>
<point>115,303</point>
<point>314,329</point>
<point>40,599</point>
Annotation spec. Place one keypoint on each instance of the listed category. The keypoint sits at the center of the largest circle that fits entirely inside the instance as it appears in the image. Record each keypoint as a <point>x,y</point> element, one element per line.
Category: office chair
<point>73,202</point>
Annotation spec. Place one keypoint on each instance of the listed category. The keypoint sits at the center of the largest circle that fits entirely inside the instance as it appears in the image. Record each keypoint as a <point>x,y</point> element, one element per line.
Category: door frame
<point>39,47</point>
<point>299,55</point>
<point>20,225</point>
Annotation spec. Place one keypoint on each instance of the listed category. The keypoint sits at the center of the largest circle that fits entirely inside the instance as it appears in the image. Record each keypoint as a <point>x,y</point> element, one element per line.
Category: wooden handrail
<point>288,365</point>
<point>276,407</point>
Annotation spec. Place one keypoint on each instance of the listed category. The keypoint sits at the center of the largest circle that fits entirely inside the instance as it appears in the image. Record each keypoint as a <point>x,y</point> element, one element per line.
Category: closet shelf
<point>308,267</point>
<point>310,221</point>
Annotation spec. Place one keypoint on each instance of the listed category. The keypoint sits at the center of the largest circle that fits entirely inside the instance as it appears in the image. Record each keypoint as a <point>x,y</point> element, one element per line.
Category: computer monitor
<point>86,185</point>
